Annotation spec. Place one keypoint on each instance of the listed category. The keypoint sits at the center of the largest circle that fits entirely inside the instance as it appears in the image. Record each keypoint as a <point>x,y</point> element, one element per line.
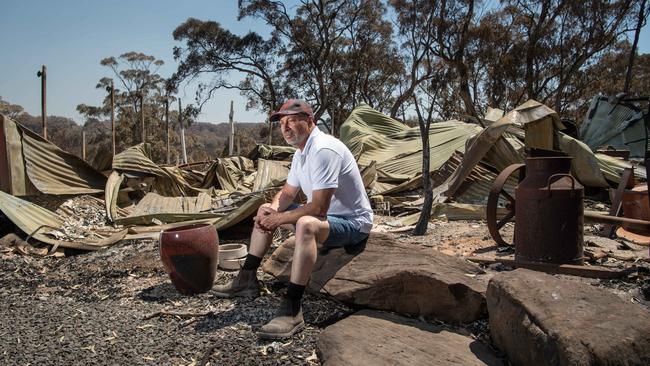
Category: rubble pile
<point>449,297</point>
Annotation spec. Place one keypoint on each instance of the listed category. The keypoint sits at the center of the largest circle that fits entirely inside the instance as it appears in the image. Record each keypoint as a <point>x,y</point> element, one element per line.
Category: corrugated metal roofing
<point>397,148</point>
<point>614,124</point>
<point>50,169</point>
<point>30,217</point>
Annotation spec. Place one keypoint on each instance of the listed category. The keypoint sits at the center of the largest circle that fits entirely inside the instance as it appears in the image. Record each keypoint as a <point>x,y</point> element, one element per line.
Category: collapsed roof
<point>141,197</point>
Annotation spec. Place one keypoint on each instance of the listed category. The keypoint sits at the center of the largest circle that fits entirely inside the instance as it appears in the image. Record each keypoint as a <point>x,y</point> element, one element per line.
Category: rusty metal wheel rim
<point>497,191</point>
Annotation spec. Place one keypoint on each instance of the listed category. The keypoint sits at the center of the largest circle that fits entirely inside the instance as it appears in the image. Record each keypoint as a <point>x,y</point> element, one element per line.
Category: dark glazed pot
<point>190,255</point>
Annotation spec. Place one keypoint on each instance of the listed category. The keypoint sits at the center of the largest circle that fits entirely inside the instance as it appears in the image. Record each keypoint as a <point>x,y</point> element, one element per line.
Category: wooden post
<point>231,138</point>
<point>144,132</point>
<point>167,127</point>
<point>113,117</point>
<point>43,75</point>
<point>180,122</point>
<point>268,119</point>
<point>83,143</point>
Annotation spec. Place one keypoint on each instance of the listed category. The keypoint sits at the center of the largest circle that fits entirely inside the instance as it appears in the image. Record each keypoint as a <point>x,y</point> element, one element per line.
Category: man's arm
<point>284,198</point>
<point>280,202</point>
<point>318,207</point>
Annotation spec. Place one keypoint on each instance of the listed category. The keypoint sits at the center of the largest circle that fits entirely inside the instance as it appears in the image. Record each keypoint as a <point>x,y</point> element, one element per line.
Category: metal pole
<point>167,127</point>
<point>231,142</point>
<point>144,132</point>
<point>180,122</point>
<point>113,117</point>
<point>43,75</point>
<point>83,143</point>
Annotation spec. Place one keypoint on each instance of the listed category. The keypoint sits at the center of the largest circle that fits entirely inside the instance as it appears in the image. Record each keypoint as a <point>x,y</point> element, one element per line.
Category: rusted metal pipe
<point>593,216</point>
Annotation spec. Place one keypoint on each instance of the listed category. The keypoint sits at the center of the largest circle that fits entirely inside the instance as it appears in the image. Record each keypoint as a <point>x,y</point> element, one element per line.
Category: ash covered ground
<point>93,308</point>
<point>101,308</point>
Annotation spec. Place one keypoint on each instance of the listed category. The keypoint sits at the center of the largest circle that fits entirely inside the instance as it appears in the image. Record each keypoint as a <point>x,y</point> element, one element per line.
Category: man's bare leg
<point>260,242</point>
<point>309,231</point>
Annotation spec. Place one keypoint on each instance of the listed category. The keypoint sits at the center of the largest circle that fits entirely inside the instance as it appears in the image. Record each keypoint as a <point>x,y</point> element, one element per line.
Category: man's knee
<point>263,208</point>
<point>307,225</point>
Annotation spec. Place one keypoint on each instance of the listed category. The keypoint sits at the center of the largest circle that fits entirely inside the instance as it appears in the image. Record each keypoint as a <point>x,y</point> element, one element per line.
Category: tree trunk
<point>464,89</point>
<point>423,222</point>
<point>399,102</point>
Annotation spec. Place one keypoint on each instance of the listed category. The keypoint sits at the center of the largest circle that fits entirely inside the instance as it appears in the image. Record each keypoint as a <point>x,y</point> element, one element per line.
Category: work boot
<point>285,324</point>
<point>244,285</point>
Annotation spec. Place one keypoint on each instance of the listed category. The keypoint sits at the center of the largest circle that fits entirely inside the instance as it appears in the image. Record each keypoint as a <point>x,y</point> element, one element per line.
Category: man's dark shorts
<point>342,231</point>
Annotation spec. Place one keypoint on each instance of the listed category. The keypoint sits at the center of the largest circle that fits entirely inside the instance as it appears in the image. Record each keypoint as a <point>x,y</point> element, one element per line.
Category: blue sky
<point>71,36</point>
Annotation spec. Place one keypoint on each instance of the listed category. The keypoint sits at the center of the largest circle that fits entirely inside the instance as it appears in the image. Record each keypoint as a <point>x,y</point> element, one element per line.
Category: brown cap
<point>292,106</point>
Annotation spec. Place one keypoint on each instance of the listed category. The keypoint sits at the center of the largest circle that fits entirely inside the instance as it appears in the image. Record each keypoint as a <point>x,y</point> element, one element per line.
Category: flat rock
<point>539,319</point>
<point>406,279</point>
<point>377,338</point>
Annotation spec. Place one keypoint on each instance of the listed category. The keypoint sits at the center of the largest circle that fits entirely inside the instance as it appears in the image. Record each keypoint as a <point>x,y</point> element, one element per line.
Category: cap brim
<point>275,116</point>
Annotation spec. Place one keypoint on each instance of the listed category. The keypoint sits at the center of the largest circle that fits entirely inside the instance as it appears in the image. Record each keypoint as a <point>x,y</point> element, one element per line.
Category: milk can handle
<point>548,181</point>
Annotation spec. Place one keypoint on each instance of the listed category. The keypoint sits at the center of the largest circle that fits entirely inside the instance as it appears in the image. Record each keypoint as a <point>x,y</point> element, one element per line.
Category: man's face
<point>295,129</point>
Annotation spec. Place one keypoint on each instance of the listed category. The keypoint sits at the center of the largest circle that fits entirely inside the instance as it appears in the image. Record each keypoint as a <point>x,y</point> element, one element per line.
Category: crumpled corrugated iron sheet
<point>34,161</point>
<point>153,203</point>
<point>533,111</point>
<point>584,165</point>
<point>479,146</point>
<point>170,180</point>
<point>595,170</point>
<point>610,123</point>
<point>612,168</point>
<point>475,188</point>
<point>270,173</point>
<point>111,193</point>
<point>271,152</point>
<point>234,174</point>
<point>226,216</point>
<point>136,159</point>
<point>397,148</point>
<point>31,218</point>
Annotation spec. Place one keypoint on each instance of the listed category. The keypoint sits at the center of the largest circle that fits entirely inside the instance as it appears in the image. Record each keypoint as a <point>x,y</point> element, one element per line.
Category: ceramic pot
<point>190,255</point>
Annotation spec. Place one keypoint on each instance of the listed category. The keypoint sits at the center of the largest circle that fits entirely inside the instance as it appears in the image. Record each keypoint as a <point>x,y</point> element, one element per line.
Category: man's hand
<point>263,211</point>
<point>271,221</point>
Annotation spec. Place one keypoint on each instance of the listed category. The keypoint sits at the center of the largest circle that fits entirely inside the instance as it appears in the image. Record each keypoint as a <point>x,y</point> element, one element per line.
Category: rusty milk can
<point>549,213</point>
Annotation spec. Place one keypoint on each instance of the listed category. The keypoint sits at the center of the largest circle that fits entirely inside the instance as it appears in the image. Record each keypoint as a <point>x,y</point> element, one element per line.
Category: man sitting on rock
<point>337,213</point>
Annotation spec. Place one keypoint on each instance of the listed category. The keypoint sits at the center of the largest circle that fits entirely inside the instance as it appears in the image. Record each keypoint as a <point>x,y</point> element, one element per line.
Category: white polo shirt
<point>326,162</point>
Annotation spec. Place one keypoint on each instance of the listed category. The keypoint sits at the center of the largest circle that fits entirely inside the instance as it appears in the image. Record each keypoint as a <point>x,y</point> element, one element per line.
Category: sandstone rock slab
<point>539,319</point>
<point>378,338</point>
<point>390,276</point>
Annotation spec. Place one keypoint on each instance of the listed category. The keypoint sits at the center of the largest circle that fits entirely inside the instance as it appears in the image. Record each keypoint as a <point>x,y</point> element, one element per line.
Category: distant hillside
<point>204,141</point>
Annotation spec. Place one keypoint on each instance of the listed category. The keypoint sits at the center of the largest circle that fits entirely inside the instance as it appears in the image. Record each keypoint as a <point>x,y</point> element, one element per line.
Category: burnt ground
<point>97,308</point>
